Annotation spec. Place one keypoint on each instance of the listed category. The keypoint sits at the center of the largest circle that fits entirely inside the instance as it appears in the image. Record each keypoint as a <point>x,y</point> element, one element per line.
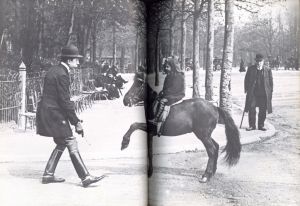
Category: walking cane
<point>242,119</point>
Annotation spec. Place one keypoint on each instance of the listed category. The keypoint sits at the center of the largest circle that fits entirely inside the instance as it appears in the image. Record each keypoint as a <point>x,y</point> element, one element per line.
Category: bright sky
<point>283,7</point>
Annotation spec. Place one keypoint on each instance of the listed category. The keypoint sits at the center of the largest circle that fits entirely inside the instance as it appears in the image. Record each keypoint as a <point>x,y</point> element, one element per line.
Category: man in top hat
<point>259,89</point>
<point>56,112</point>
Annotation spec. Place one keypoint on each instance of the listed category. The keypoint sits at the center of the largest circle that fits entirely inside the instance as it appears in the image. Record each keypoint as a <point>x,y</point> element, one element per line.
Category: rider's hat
<point>174,63</point>
<point>70,51</point>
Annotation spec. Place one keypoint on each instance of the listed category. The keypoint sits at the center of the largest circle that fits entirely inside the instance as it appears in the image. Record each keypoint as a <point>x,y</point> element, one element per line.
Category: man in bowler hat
<point>56,112</point>
<point>259,89</point>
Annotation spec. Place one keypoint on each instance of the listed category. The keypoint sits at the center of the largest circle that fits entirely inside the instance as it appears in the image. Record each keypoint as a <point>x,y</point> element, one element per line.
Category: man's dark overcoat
<point>249,85</point>
<point>56,111</point>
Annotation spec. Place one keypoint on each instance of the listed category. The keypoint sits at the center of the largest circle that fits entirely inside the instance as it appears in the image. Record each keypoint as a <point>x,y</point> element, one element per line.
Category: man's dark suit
<point>54,114</point>
<point>258,97</point>
<point>56,110</point>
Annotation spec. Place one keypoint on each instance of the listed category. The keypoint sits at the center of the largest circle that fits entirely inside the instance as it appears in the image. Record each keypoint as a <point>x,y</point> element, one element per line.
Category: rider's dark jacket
<point>174,87</point>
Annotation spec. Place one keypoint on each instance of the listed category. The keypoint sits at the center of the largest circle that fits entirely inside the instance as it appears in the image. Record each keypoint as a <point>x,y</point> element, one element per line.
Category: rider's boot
<point>159,118</point>
<point>158,114</point>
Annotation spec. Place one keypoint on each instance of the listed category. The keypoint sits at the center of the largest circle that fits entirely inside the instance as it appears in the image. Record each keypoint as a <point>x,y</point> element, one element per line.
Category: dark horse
<point>192,115</point>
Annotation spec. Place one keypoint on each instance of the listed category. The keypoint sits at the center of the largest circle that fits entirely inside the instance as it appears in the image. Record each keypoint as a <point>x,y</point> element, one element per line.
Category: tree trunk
<point>122,59</point>
<point>28,39</point>
<point>225,86</point>
<point>16,35</point>
<point>171,30</point>
<point>41,29</point>
<point>2,16</point>
<point>298,37</point>
<point>94,42</point>
<point>114,47</point>
<point>196,68</point>
<point>86,46</point>
<point>72,38</point>
<point>100,50</point>
<point>183,37</point>
<point>150,50</point>
<point>210,52</point>
<point>136,52</point>
<point>157,58</point>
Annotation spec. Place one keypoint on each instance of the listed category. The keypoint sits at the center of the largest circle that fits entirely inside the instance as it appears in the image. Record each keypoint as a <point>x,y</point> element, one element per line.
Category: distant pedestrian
<point>55,112</point>
<point>242,66</point>
<point>259,89</point>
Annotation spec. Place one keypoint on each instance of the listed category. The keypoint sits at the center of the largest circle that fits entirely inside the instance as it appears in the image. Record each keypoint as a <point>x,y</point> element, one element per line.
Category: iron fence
<point>10,93</point>
<point>34,89</point>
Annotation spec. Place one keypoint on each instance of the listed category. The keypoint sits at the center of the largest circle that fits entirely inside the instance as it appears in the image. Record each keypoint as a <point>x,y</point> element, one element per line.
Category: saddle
<point>163,116</point>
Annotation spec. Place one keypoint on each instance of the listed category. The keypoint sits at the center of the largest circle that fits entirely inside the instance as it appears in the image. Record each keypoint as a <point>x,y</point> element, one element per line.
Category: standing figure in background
<point>105,67</point>
<point>56,112</point>
<point>259,89</point>
<point>242,66</point>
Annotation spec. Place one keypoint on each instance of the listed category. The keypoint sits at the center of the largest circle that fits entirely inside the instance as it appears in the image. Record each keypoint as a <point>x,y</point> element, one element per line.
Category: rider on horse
<point>172,92</point>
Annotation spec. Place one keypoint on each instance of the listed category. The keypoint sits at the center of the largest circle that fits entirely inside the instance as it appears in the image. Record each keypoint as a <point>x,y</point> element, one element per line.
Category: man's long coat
<point>56,111</point>
<point>249,84</point>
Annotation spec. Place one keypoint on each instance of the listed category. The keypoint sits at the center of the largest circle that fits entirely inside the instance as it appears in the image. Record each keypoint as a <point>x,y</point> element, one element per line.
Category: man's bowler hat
<point>70,51</point>
<point>259,57</point>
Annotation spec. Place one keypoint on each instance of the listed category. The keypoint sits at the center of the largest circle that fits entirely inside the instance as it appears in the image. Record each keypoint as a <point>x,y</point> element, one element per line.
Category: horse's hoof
<point>124,144</point>
<point>204,179</point>
<point>124,147</point>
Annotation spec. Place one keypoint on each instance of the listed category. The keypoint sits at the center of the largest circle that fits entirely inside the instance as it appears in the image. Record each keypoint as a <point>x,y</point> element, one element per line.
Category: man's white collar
<point>64,64</point>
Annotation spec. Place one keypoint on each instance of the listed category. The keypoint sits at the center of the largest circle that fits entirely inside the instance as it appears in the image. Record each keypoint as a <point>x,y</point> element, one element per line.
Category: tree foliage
<point>37,29</point>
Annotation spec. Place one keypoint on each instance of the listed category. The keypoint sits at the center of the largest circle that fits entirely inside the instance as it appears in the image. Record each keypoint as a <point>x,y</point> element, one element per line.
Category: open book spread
<point>149,102</point>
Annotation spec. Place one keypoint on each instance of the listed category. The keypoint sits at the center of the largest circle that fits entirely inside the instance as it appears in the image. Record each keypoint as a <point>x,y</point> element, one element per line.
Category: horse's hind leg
<point>212,151</point>
<point>217,155</point>
<point>133,127</point>
<point>150,155</point>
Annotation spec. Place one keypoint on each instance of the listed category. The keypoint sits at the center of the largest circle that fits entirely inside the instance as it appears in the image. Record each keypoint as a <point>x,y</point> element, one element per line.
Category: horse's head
<point>136,94</point>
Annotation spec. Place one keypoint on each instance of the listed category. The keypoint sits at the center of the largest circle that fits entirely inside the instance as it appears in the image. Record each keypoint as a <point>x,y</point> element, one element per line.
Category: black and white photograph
<point>149,102</point>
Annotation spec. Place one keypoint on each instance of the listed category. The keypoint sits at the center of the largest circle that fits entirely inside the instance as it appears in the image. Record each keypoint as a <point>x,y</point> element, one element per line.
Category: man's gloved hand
<point>79,128</point>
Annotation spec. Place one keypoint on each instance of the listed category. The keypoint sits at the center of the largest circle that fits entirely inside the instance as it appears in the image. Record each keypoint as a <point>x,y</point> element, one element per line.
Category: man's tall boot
<point>82,171</point>
<point>48,176</point>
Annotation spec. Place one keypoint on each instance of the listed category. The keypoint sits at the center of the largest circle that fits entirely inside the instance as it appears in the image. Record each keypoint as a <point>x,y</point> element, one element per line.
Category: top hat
<point>259,57</point>
<point>70,51</point>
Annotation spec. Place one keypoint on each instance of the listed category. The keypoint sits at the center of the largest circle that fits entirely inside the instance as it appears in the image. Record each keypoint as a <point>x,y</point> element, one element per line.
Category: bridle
<point>140,93</point>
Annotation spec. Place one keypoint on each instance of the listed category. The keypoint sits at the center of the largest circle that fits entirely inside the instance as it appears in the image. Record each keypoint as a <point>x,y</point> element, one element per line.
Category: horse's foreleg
<point>150,155</point>
<point>132,128</point>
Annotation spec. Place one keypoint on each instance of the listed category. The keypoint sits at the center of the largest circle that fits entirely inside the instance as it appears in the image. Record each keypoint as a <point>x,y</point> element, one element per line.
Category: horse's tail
<point>233,145</point>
